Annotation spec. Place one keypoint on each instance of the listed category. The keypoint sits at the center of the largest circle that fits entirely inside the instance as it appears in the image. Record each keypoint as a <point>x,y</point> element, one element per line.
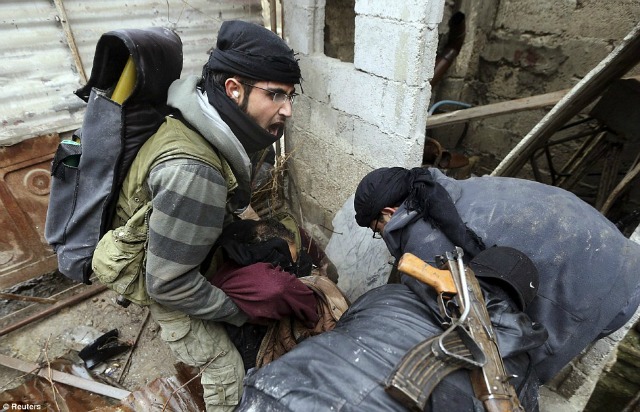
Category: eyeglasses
<point>376,233</point>
<point>278,97</point>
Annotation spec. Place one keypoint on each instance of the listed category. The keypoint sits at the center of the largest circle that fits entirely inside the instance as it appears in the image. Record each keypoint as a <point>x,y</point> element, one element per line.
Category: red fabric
<point>266,293</point>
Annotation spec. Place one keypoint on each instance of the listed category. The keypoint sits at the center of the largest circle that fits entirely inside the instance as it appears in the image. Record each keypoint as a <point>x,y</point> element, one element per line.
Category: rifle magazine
<point>422,368</point>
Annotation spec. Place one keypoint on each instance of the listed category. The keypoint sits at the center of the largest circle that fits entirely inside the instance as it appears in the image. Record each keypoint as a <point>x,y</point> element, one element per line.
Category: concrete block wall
<point>354,117</point>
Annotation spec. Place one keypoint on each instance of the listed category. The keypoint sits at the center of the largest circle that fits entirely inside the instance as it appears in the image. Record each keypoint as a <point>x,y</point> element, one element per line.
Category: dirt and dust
<point>66,332</point>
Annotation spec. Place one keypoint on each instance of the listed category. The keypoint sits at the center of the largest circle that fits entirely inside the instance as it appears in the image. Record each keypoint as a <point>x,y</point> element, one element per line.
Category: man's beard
<point>244,105</point>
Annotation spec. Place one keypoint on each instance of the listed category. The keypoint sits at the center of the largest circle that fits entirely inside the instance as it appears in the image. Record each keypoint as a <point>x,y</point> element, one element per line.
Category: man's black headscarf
<point>254,52</point>
<point>389,187</point>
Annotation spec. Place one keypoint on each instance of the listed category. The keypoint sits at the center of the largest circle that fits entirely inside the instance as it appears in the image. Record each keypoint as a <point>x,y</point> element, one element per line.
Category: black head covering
<point>252,51</point>
<point>238,242</point>
<point>388,187</point>
<point>510,267</point>
<point>384,187</point>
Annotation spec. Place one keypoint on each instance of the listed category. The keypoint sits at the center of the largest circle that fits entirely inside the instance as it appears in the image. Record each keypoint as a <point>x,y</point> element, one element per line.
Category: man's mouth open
<point>275,129</point>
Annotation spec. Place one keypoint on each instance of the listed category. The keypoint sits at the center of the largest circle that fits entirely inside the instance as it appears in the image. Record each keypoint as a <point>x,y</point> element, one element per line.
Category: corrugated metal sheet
<point>38,72</point>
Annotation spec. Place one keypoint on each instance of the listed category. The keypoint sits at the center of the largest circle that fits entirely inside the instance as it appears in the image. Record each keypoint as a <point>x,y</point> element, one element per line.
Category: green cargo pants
<point>196,342</point>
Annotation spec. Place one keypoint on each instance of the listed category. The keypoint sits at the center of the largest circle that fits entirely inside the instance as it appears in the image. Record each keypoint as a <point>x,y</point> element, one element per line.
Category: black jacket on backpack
<point>88,171</point>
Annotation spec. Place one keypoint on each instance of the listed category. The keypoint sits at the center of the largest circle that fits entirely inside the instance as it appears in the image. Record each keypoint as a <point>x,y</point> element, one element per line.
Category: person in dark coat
<point>589,272</point>
<point>346,368</point>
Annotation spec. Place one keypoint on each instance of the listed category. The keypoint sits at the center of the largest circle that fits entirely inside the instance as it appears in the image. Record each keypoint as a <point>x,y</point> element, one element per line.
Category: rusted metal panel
<point>39,72</point>
<point>24,190</point>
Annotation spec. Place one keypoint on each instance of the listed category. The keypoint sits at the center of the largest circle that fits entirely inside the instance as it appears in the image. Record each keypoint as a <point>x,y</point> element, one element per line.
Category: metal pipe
<point>444,60</point>
<point>93,290</point>
<point>448,102</point>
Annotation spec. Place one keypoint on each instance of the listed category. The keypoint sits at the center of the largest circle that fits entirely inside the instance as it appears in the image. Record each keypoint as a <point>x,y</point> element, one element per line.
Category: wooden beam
<point>498,109</point>
<point>624,185</point>
<point>624,57</point>
<point>13,296</point>
<point>85,294</point>
<point>495,109</point>
<point>65,378</point>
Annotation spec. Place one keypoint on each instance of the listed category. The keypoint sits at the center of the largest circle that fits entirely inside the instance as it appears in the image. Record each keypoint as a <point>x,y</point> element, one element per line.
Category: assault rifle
<point>469,342</point>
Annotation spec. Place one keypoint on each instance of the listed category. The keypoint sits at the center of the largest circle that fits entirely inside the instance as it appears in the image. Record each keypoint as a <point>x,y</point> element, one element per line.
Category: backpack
<point>126,102</point>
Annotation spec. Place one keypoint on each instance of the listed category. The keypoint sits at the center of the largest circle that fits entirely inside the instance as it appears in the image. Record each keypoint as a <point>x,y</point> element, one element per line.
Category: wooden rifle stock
<point>440,280</point>
<point>470,342</point>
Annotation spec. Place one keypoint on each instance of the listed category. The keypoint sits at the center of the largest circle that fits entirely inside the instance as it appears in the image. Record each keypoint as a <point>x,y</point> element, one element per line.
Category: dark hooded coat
<point>345,369</point>
<point>589,272</point>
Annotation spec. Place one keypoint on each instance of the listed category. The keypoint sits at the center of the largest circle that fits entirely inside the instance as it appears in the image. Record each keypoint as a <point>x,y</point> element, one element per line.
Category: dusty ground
<point>65,333</point>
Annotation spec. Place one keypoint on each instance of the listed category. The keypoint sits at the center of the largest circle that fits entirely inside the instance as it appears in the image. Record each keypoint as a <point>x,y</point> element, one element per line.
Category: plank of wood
<point>495,109</point>
<point>65,378</point>
<point>611,68</point>
<point>624,184</point>
<point>88,292</point>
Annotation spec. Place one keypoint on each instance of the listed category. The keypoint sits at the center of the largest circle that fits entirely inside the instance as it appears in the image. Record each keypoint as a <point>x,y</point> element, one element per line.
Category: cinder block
<point>304,28</point>
<point>394,107</point>
<point>311,152</point>
<point>301,112</point>
<point>323,121</point>
<point>356,92</point>
<point>424,11</point>
<point>572,384</point>
<point>406,52</point>
<point>539,58</point>
<point>534,16</point>
<point>316,74</point>
<point>377,148</point>
<point>594,359</point>
<point>405,108</point>
<point>592,20</point>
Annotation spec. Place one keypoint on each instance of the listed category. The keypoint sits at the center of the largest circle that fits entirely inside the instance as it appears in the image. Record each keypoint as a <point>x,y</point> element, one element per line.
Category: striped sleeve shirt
<point>189,199</point>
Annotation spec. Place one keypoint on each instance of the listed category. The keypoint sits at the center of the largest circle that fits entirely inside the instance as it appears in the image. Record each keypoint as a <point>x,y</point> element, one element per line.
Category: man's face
<point>259,104</point>
<point>380,222</point>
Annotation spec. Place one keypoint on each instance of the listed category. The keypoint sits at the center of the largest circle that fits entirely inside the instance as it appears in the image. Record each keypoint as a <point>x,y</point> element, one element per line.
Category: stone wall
<point>354,117</point>
<point>520,48</point>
